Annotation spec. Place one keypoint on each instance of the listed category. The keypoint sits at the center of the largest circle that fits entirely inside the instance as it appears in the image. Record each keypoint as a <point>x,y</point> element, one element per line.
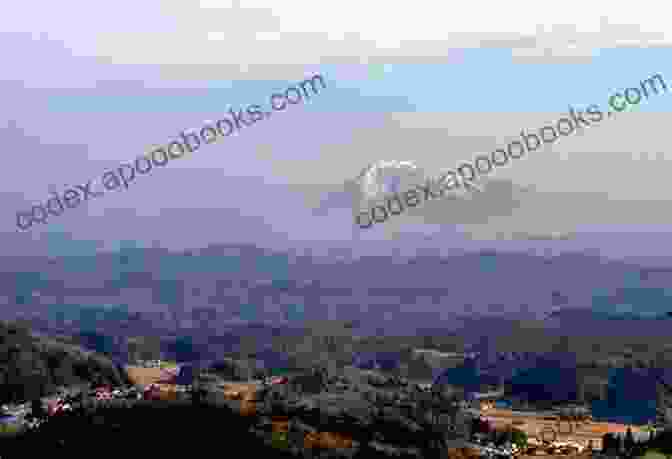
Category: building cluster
<point>432,412</point>
<point>150,363</point>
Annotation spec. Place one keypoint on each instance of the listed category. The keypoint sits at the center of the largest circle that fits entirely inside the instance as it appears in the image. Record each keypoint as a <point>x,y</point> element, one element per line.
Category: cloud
<point>499,197</point>
<point>263,39</point>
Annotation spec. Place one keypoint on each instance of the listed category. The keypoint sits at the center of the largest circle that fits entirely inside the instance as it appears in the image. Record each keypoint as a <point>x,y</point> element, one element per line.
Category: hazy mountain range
<point>220,286</point>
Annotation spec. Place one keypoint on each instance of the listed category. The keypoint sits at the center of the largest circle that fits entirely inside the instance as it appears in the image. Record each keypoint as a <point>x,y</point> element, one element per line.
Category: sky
<point>89,86</point>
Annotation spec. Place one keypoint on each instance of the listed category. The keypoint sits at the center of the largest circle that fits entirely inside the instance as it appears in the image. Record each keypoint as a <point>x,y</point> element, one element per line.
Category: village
<point>528,433</point>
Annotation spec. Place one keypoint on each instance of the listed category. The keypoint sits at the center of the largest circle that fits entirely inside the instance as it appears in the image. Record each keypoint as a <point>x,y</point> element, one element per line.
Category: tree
<point>609,442</point>
<point>519,438</point>
<point>475,425</point>
<point>663,402</point>
<point>418,368</point>
<point>279,440</point>
<point>663,442</point>
<point>503,437</point>
<point>36,409</point>
<point>197,391</point>
<point>629,442</point>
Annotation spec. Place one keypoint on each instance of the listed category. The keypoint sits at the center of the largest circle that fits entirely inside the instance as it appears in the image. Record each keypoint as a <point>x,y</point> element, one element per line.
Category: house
<point>103,395</point>
<point>58,406</point>
<point>423,386</point>
<point>279,380</point>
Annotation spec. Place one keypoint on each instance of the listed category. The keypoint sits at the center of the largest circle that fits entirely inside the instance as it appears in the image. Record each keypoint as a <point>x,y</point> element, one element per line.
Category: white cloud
<point>216,4</point>
<point>227,32</point>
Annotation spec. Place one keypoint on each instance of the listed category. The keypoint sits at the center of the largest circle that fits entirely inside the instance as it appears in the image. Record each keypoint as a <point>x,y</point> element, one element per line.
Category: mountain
<point>222,298</point>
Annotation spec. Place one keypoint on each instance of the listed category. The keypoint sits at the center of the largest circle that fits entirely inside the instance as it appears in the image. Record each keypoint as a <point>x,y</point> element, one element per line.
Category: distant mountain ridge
<point>215,287</point>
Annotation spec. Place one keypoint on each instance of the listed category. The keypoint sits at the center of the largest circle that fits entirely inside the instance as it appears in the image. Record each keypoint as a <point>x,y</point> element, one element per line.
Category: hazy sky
<point>86,86</point>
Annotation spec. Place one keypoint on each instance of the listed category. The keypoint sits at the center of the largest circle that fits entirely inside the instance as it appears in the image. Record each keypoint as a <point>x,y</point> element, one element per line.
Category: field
<point>244,394</point>
<point>146,376</point>
<point>654,455</point>
<point>239,390</point>
<point>9,429</point>
<point>533,425</point>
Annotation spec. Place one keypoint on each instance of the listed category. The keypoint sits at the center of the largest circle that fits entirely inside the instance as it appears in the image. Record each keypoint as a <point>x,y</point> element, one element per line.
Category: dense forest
<point>171,429</point>
<point>32,367</point>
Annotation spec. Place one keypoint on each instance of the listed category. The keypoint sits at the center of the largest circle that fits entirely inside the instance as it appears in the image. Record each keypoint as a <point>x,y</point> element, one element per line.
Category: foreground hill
<point>32,367</point>
<point>168,431</point>
<point>358,415</point>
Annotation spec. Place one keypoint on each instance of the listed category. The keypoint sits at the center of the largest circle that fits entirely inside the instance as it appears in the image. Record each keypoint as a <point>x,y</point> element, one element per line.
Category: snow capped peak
<point>385,176</point>
<point>384,164</point>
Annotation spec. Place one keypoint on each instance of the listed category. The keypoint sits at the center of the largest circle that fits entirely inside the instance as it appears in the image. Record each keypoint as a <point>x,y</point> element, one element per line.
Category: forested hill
<point>32,367</point>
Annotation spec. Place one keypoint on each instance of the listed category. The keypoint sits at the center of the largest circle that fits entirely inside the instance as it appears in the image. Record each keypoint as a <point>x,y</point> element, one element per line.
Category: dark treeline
<point>160,429</point>
<point>33,367</point>
<point>629,447</point>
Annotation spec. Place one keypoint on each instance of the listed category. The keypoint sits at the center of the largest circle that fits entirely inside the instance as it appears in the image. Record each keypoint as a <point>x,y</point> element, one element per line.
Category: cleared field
<point>533,425</point>
<point>142,375</point>
<point>654,455</point>
<point>324,439</point>
<point>327,440</point>
<point>10,429</point>
<point>463,453</point>
<point>146,376</point>
<point>245,388</point>
<point>242,394</point>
